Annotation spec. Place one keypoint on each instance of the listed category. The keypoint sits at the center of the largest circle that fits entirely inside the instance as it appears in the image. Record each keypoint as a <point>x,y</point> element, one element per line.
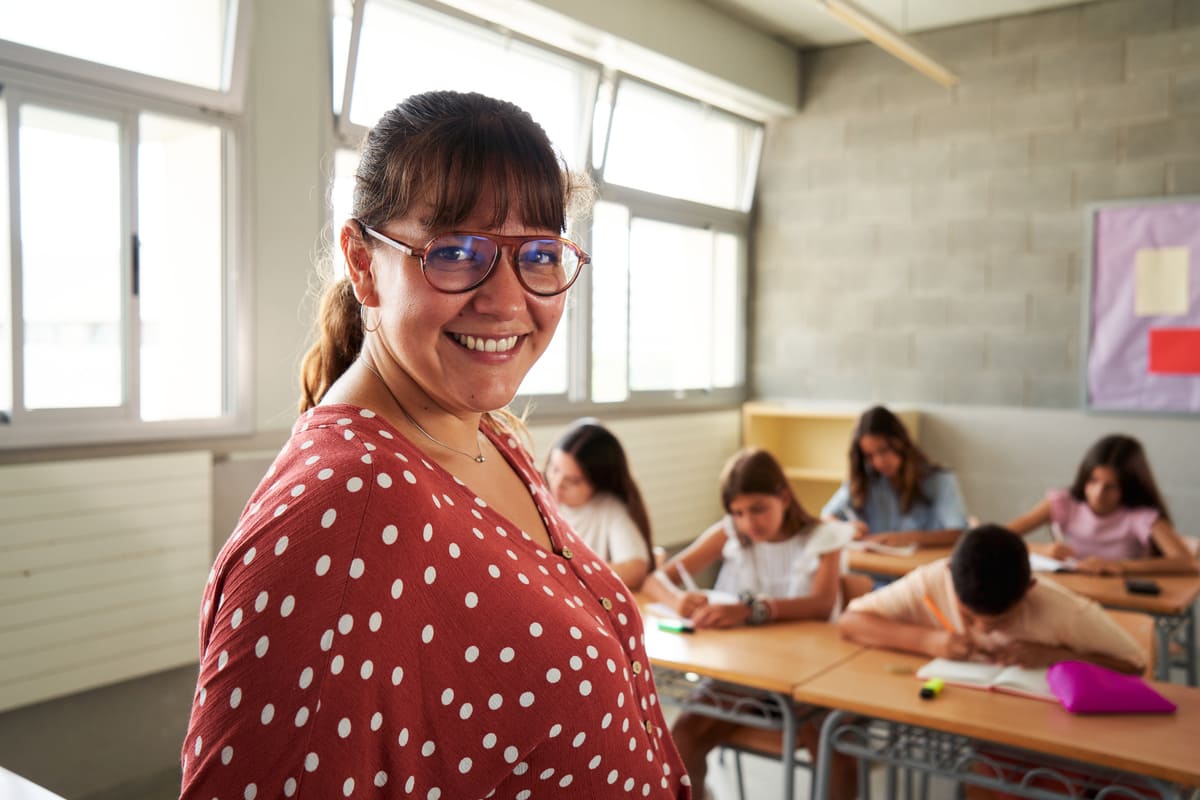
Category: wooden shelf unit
<point>811,442</point>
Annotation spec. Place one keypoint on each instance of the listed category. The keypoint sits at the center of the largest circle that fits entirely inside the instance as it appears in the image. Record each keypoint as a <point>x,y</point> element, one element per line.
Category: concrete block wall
<point>925,245</point>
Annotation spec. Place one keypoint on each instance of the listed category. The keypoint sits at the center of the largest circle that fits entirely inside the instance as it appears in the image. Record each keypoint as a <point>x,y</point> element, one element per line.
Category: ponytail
<point>339,340</point>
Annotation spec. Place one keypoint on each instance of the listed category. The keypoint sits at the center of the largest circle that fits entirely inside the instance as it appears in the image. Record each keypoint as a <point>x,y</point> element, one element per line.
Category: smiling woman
<point>401,604</point>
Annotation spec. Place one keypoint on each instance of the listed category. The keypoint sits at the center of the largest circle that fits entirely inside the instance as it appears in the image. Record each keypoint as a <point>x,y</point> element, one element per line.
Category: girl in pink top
<point>1112,518</point>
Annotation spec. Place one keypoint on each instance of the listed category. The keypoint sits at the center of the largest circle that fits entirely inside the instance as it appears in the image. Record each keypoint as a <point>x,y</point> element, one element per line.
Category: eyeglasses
<point>459,262</point>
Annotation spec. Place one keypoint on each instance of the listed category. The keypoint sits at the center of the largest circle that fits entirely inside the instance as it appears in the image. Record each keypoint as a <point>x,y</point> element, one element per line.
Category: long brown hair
<point>603,462</point>
<point>447,149</point>
<point>1124,456</point>
<point>915,466</point>
<point>753,470</point>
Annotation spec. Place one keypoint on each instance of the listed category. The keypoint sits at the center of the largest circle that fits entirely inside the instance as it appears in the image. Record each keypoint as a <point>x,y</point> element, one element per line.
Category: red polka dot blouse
<point>372,628</point>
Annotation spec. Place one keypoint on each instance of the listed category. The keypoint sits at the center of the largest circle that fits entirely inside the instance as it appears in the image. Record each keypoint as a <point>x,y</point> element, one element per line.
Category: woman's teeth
<point>486,345</point>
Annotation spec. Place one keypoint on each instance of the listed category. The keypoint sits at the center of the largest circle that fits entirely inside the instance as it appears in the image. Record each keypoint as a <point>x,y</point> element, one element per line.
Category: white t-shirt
<point>778,569</point>
<point>604,524</point>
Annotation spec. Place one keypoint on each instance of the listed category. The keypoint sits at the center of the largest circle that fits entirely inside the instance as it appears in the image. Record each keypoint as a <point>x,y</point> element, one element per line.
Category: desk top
<point>772,657</point>
<point>1162,746</point>
<point>1178,591</point>
<point>894,566</point>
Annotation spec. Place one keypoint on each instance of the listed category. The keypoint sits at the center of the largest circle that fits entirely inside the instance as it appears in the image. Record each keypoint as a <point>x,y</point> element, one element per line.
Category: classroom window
<point>121,316</point>
<point>658,317</point>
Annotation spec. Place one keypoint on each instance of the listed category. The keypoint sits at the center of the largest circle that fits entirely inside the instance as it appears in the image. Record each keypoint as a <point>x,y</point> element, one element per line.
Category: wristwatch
<point>760,612</point>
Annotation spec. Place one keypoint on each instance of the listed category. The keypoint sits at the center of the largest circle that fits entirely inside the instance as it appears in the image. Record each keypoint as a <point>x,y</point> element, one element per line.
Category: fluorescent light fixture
<point>881,34</point>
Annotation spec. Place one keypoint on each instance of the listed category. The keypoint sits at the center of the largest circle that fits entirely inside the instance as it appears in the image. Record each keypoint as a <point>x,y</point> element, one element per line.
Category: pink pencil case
<point>1085,688</point>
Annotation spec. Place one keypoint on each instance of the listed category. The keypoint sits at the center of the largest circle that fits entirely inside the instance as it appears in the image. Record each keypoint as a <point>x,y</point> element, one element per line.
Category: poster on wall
<point>1142,326</point>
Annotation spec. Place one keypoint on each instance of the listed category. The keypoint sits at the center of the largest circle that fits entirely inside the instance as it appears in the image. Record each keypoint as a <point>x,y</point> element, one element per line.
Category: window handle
<point>136,263</point>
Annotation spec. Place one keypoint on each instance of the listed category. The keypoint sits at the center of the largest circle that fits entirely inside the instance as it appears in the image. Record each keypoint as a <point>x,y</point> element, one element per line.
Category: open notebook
<point>1041,563</point>
<point>1013,680</point>
<point>716,598</point>
<point>879,547</point>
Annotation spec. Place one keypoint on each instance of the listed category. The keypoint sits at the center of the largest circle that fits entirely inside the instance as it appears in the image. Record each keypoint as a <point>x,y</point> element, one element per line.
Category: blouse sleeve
<point>621,534</point>
<point>828,537</point>
<point>837,505</point>
<point>1141,523</point>
<point>1060,507</point>
<point>949,511</point>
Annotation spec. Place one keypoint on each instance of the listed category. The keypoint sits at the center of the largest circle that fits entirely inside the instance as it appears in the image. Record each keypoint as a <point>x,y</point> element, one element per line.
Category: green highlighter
<point>676,625</point>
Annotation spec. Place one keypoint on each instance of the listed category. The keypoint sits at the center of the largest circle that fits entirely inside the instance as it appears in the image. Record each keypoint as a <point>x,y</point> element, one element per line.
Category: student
<point>895,493</point>
<point>1112,518</point>
<point>589,476</point>
<point>780,562</point>
<point>400,610</point>
<point>997,610</point>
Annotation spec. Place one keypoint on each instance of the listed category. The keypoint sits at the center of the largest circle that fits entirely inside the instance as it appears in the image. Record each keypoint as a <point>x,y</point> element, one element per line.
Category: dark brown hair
<point>1124,456</point>
<point>753,470</point>
<point>450,150</point>
<point>915,466</point>
<point>990,569</point>
<point>602,460</point>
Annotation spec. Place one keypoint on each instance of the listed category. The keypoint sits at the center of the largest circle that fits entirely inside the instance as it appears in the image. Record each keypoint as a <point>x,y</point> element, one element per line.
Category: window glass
<point>181,272</point>
<point>6,374</point>
<point>343,19</point>
<point>550,374</point>
<point>71,259</point>
<point>713,164</point>
<point>676,278</point>
<point>341,201</point>
<point>405,49</point>
<point>181,40</point>
<point>610,303</point>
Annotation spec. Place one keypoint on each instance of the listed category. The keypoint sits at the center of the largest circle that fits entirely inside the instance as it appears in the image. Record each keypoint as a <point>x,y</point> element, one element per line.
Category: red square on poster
<point>1175,351</point>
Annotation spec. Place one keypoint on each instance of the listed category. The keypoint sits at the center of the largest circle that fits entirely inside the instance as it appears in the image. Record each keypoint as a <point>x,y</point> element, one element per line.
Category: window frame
<point>60,427</point>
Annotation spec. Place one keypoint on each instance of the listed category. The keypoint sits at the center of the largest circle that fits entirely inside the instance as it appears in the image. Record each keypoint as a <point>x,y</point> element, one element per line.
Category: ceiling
<point>805,24</point>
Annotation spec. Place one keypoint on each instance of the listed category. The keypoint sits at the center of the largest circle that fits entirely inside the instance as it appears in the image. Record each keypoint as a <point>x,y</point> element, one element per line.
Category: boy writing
<point>997,610</point>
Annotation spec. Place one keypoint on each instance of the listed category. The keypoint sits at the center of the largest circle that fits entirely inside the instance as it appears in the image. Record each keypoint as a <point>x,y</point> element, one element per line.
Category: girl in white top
<point>777,560</point>
<point>590,479</point>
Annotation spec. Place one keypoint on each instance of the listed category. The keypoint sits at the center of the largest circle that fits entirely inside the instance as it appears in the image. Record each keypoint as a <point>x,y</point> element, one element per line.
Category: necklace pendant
<point>479,459</point>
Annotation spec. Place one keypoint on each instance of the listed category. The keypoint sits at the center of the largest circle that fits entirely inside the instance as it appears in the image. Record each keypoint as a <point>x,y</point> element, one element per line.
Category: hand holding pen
<point>692,598</point>
<point>861,529</point>
<point>953,644</point>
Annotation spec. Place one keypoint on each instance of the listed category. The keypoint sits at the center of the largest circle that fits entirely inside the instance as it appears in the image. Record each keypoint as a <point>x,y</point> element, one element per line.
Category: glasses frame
<point>503,241</point>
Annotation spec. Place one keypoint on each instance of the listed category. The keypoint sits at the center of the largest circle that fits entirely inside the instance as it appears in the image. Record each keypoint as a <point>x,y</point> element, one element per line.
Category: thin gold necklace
<point>478,458</point>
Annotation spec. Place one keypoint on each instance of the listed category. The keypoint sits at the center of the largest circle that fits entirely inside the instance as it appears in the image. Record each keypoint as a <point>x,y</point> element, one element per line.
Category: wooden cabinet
<point>811,442</point>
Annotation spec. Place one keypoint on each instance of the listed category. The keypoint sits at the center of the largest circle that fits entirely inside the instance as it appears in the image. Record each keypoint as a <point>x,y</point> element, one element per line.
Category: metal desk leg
<point>821,780</point>
<point>1162,630</point>
<point>789,752</point>
<point>1189,642</point>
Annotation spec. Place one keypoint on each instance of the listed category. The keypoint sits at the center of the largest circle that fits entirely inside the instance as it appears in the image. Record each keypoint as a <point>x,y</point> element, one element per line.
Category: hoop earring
<point>362,316</point>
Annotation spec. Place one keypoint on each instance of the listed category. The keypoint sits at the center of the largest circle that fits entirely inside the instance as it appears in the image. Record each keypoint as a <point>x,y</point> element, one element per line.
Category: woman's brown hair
<point>447,149</point>
<point>753,470</point>
<point>1124,456</point>
<point>915,466</point>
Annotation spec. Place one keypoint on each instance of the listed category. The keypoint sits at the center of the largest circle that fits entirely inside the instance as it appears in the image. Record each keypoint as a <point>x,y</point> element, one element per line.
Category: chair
<point>1141,628</point>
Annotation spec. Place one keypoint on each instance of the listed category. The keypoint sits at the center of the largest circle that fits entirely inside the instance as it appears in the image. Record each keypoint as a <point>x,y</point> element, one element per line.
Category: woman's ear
<point>358,262</point>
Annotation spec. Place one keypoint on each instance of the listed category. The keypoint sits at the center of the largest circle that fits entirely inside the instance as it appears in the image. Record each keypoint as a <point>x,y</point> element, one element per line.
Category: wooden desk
<point>1173,610</point>
<point>1163,747</point>
<point>893,566</point>
<point>771,660</point>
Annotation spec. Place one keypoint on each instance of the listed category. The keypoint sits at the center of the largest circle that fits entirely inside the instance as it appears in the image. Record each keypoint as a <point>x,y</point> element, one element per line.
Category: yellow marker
<point>932,688</point>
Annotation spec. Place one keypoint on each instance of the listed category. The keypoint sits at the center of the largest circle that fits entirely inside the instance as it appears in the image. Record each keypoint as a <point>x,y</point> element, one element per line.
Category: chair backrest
<point>1141,628</point>
<point>854,585</point>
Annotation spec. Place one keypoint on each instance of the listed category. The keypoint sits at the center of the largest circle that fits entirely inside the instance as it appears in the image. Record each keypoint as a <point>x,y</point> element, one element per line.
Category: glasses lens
<point>547,265</point>
<point>454,263</point>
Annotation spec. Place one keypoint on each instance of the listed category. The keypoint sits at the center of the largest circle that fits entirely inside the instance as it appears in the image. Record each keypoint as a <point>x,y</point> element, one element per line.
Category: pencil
<point>688,582</point>
<point>937,612</point>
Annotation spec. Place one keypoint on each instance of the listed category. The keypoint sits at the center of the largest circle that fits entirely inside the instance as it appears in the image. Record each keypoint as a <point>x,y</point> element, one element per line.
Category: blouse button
<point>604,601</point>
<point>649,726</point>
<point>637,668</point>
<point>567,554</point>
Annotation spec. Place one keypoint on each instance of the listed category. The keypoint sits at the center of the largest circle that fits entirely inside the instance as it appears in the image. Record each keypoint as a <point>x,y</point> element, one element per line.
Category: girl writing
<point>1112,517</point>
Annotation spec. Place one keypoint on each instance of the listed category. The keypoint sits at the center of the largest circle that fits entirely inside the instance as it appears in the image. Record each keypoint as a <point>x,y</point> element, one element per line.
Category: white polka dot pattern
<point>375,629</point>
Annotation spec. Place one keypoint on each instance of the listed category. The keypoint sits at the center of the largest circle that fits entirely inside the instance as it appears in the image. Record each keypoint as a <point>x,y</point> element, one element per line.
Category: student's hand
<point>1026,654</point>
<point>861,529</point>
<point>894,538</point>
<point>1061,551</point>
<point>688,603</point>
<point>721,615</point>
<point>1098,566</point>
<point>953,646</point>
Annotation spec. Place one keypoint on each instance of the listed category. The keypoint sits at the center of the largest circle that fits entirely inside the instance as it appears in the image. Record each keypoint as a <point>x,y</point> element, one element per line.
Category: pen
<point>676,626</point>
<point>688,582</point>
<point>1056,534</point>
<point>937,613</point>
